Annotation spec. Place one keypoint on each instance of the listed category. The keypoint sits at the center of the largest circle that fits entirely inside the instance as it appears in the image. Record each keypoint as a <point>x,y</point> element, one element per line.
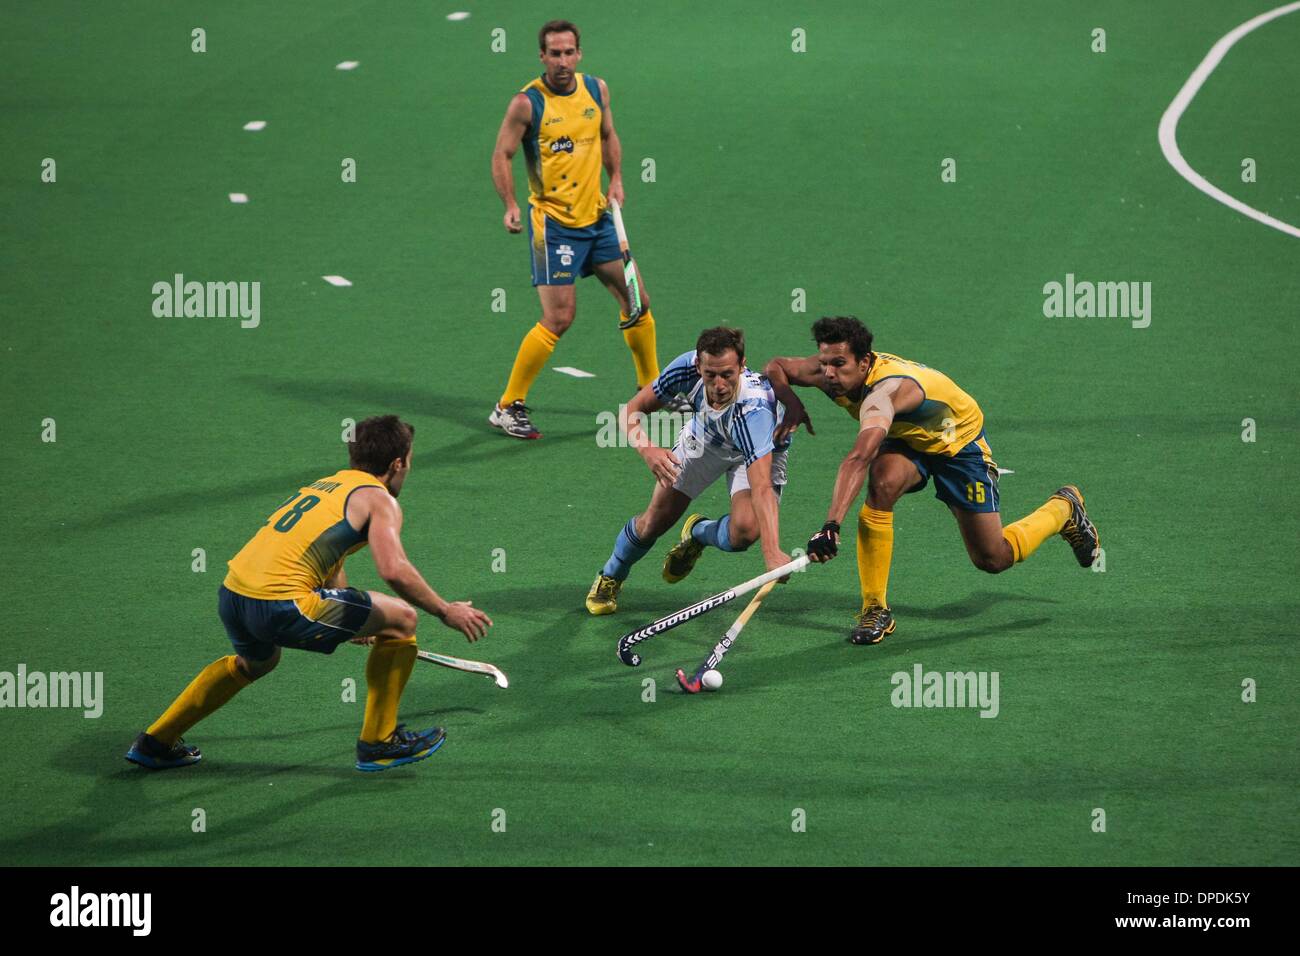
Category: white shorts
<point>703,464</point>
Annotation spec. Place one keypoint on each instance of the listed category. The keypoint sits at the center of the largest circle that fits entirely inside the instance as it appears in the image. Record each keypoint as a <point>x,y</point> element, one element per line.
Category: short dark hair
<point>832,329</point>
<point>558,26</point>
<point>377,442</point>
<point>717,340</point>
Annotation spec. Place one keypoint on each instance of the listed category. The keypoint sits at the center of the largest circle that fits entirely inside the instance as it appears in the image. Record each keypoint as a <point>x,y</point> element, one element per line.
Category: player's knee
<point>256,669</point>
<point>883,493</point>
<point>742,534</point>
<point>406,620</point>
<point>558,318</point>
<point>992,563</point>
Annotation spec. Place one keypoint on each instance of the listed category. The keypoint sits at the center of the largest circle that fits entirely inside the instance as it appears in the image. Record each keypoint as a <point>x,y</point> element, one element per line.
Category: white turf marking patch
<point>337,280</point>
<point>348,65</point>
<point>575,372</point>
<point>1005,471</point>
<point>254,126</point>
<point>239,197</point>
<point>1169,122</point>
<point>458,15</point>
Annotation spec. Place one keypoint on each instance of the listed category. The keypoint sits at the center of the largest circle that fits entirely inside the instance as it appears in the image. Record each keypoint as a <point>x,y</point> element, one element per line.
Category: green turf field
<point>775,171</point>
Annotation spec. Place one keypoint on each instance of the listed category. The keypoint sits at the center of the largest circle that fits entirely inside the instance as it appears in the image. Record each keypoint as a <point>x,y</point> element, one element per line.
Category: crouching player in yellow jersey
<point>287,588</point>
<point>915,425</point>
<point>564,122</point>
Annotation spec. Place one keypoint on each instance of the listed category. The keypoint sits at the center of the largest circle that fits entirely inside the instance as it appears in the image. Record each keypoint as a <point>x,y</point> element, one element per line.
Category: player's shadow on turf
<point>966,607</point>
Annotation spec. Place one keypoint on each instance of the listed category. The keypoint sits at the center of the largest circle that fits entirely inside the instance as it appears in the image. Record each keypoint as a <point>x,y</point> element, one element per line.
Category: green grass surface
<point>775,171</point>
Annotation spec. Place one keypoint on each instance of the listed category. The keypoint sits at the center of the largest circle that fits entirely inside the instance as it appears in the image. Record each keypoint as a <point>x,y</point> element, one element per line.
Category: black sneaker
<point>153,753</point>
<point>402,746</point>
<point>514,421</point>
<point>1079,531</point>
<point>874,624</point>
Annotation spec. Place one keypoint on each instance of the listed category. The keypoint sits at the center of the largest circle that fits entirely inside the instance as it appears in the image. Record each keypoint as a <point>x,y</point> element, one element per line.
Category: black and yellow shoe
<point>1079,531</point>
<point>681,559</point>
<point>603,596</point>
<point>874,625</point>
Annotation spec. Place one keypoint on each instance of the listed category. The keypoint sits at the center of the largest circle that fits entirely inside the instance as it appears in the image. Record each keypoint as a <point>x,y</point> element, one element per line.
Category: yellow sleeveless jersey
<point>562,150</point>
<point>947,420</point>
<point>303,542</point>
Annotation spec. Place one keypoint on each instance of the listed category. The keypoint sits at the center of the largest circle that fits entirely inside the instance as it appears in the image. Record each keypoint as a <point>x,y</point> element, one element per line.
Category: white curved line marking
<point>1169,122</point>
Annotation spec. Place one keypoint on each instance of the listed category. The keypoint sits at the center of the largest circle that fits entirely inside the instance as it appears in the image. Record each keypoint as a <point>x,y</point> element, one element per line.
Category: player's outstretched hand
<point>825,544</point>
<point>511,220</point>
<point>469,620</point>
<point>663,464</point>
<point>795,415</point>
<point>776,561</point>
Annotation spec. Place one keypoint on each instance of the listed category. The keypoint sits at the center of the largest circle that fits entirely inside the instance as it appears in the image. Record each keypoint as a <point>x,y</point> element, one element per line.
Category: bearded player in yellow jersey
<point>287,588</point>
<point>914,425</point>
<point>564,123</point>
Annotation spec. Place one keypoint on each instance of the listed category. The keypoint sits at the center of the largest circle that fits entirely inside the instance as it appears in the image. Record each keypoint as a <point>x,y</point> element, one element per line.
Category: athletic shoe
<point>681,559</point>
<point>603,596</point>
<point>1079,531</point>
<point>874,625</point>
<point>402,746</point>
<point>514,421</point>
<point>153,753</point>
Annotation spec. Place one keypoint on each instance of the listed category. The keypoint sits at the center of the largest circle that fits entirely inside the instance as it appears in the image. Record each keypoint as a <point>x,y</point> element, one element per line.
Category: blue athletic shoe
<point>153,753</point>
<point>404,746</point>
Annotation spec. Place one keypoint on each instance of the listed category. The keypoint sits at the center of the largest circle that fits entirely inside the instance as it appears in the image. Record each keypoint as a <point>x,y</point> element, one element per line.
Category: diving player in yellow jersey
<point>915,424</point>
<point>564,122</point>
<point>287,588</point>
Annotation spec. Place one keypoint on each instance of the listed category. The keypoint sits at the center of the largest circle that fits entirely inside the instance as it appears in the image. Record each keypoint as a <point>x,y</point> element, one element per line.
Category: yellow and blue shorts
<point>319,621</point>
<point>562,254</point>
<point>967,480</point>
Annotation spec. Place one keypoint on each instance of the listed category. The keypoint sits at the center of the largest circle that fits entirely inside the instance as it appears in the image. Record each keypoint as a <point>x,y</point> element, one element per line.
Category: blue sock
<point>716,533</point>
<point>628,550</point>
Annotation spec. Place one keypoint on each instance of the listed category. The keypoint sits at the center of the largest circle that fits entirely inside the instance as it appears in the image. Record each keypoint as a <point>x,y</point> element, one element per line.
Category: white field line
<point>1169,122</point>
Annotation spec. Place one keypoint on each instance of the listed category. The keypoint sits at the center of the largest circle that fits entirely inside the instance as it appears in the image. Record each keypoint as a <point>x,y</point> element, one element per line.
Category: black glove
<point>822,546</point>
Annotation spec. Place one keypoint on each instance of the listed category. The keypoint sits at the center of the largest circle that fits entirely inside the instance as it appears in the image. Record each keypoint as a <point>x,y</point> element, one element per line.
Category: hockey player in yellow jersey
<point>287,588</point>
<point>914,425</point>
<point>564,123</point>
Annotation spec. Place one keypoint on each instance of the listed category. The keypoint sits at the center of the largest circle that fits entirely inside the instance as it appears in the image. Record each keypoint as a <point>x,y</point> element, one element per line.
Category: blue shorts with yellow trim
<point>967,480</point>
<point>319,621</point>
<point>562,254</point>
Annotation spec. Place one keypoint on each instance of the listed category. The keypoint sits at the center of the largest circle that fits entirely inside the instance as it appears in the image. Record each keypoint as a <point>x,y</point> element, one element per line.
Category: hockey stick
<point>634,309</point>
<point>692,684</point>
<point>632,638</point>
<point>460,664</point>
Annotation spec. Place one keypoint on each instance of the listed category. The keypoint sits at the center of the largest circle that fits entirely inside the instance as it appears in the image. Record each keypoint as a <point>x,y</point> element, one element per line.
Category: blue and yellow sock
<point>716,533</point>
<point>628,550</point>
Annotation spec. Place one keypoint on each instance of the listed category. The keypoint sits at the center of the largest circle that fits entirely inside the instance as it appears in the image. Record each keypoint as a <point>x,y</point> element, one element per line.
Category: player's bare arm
<point>783,372</point>
<point>663,464</point>
<point>384,515</point>
<point>513,126</point>
<point>767,512</point>
<point>879,407</point>
<point>611,151</point>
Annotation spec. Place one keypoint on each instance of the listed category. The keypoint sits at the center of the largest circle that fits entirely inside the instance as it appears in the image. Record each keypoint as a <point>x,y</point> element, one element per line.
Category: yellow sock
<point>216,684</point>
<point>875,549</point>
<point>1033,529</point>
<point>387,668</point>
<point>641,340</point>
<point>534,352</point>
